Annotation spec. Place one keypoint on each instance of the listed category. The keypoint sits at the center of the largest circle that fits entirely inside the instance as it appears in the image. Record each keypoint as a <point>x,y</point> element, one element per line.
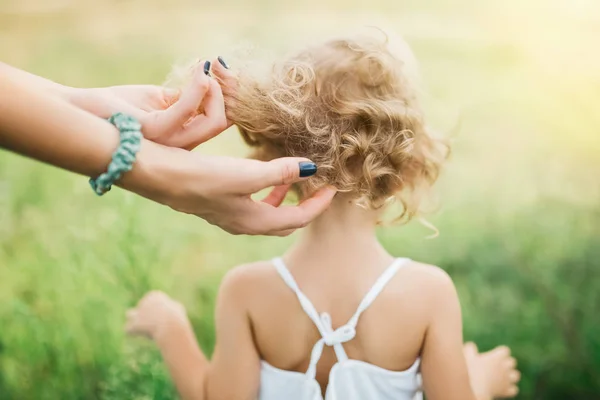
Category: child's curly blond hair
<point>350,106</point>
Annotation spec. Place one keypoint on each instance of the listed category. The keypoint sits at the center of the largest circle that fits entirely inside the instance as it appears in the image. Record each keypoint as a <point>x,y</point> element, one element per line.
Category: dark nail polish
<point>222,62</point>
<point>207,68</point>
<point>307,168</point>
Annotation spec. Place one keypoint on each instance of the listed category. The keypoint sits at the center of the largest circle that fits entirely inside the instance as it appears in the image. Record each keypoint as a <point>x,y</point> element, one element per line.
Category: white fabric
<point>348,379</point>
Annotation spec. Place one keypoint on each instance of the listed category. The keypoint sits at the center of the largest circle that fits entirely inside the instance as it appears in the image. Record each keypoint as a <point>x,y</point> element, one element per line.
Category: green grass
<point>519,222</point>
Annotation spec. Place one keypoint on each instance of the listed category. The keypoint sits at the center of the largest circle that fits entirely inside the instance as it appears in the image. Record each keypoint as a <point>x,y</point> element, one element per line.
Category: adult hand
<point>220,189</point>
<point>33,120</point>
<point>168,117</point>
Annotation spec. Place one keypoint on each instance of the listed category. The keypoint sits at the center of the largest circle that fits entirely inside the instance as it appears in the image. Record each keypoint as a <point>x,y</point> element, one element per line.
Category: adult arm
<point>39,125</point>
<point>168,116</point>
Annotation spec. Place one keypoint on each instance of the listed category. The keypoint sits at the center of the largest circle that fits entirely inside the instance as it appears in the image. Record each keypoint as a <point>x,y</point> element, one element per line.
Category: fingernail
<point>207,68</point>
<point>307,168</point>
<point>222,62</point>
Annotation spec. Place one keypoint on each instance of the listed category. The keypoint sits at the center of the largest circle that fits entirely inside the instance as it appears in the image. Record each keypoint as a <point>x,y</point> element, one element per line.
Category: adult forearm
<point>37,123</point>
<point>98,101</point>
<point>43,127</point>
<point>185,361</point>
<point>35,82</point>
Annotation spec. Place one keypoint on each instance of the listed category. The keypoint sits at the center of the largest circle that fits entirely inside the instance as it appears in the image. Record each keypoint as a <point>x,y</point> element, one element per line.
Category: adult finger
<point>228,81</point>
<point>214,105</point>
<point>173,118</point>
<point>226,78</point>
<point>278,172</point>
<point>170,96</point>
<point>273,220</point>
<point>284,233</point>
<point>207,125</point>
<point>277,195</point>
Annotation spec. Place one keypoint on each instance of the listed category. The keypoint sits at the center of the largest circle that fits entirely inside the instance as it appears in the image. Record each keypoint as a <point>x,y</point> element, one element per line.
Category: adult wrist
<point>93,100</point>
<point>153,175</point>
<point>68,93</point>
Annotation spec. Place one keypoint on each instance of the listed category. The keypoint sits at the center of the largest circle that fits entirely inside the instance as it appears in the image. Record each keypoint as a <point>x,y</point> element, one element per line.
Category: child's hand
<point>155,315</point>
<point>493,374</point>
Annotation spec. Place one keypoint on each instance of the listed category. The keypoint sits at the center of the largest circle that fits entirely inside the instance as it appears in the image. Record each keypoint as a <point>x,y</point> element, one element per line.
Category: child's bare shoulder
<point>247,280</point>
<point>428,282</point>
<point>426,273</point>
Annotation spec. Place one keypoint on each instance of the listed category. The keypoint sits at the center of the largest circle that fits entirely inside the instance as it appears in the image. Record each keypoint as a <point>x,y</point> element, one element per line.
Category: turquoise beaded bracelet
<point>124,157</point>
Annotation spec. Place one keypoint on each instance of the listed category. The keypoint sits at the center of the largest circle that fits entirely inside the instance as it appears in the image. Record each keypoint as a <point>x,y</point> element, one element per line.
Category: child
<point>337,317</point>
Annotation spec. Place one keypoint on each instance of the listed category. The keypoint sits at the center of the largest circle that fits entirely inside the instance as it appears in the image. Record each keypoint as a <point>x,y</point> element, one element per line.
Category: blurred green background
<point>520,214</point>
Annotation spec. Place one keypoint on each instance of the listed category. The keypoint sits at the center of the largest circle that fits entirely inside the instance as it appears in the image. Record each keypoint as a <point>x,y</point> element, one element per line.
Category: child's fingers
<point>131,328</point>
<point>511,363</point>
<point>501,350</point>
<point>515,376</point>
<point>131,317</point>
<point>131,314</point>
<point>512,391</point>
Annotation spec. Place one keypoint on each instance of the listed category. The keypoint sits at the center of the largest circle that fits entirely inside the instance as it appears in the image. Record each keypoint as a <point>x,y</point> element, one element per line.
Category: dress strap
<point>344,333</point>
<point>306,304</point>
<point>377,288</point>
<point>329,337</point>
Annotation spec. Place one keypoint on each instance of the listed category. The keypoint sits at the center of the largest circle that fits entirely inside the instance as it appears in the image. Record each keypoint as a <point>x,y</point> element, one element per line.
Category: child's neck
<point>343,235</point>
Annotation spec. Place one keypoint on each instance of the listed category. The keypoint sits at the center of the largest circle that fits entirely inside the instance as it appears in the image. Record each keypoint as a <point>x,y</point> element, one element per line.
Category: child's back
<point>339,268</point>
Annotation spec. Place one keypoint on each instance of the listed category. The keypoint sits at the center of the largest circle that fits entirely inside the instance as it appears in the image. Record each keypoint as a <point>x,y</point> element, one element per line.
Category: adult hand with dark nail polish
<point>184,118</point>
<point>35,117</point>
<point>220,189</point>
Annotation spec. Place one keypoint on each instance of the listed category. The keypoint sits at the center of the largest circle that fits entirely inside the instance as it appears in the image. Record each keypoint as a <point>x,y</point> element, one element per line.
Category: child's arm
<point>234,372</point>
<point>165,321</point>
<point>444,368</point>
